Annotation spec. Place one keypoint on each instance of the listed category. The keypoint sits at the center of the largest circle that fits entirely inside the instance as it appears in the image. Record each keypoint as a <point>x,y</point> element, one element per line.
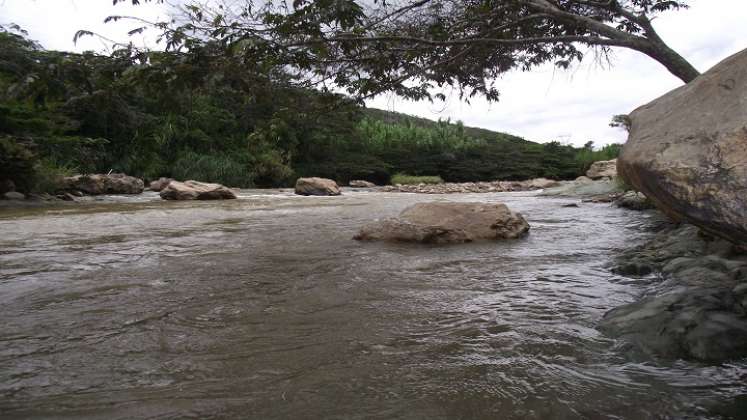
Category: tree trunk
<point>669,58</point>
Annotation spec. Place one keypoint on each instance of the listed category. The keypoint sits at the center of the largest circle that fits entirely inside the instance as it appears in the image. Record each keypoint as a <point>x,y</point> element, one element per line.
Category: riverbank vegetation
<point>208,115</point>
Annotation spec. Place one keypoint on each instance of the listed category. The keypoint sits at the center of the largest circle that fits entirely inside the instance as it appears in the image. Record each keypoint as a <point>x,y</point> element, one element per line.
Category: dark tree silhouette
<point>411,46</point>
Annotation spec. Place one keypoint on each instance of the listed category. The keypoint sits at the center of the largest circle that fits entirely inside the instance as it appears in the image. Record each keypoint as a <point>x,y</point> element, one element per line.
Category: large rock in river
<point>98,184</point>
<point>440,223</point>
<point>316,186</point>
<point>194,190</point>
<point>602,169</point>
<point>687,151</point>
<point>159,184</point>
<point>358,183</point>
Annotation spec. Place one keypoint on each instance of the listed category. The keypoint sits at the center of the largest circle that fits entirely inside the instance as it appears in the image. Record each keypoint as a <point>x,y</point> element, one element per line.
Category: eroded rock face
<point>159,184</point>
<point>602,169</point>
<point>440,223</point>
<point>687,151</point>
<point>316,186</point>
<point>194,190</point>
<point>98,184</point>
<point>361,184</point>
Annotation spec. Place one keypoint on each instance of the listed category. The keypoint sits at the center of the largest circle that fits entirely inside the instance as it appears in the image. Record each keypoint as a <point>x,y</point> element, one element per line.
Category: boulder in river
<point>540,184</point>
<point>194,190</point>
<point>159,184</point>
<point>361,184</point>
<point>316,186</point>
<point>602,169</point>
<point>13,195</point>
<point>633,200</point>
<point>687,151</point>
<point>440,223</point>
<point>98,184</point>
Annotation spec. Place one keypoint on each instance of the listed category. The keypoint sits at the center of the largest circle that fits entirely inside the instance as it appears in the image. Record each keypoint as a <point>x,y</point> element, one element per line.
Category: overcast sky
<point>573,106</point>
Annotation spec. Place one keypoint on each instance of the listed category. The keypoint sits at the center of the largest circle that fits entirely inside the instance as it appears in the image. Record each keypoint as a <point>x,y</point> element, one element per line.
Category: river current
<point>264,307</point>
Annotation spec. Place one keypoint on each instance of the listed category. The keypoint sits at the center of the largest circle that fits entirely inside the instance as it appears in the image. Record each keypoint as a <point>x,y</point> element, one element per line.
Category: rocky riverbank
<point>473,187</point>
<point>695,300</point>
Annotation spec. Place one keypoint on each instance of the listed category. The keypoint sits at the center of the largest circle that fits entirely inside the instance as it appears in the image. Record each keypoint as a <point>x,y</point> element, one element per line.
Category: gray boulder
<point>159,184</point>
<point>602,169</point>
<point>194,190</point>
<point>440,223</point>
<point>12,195</point>
<point>634,201</point>
<point>687,151</point>
<point>316,186</point>
<point>98,184</point>
<point>361,184</point>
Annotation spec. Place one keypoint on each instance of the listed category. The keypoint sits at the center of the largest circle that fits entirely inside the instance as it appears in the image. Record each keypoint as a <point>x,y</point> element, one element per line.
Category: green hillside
<point>209,116</point>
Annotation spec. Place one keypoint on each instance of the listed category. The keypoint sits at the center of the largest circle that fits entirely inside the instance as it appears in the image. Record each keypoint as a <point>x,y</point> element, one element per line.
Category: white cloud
<point>543,105</point>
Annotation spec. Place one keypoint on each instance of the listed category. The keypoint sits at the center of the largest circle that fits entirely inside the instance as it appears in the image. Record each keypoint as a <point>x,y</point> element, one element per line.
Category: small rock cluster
<point>473,187</point>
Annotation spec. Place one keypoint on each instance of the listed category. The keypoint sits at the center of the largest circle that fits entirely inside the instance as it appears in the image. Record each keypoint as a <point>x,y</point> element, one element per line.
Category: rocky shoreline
<point>473,187</point>
<point>695,300</point>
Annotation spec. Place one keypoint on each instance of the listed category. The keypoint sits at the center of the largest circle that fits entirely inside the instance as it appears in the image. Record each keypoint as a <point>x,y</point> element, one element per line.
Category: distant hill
<point>392,117</point>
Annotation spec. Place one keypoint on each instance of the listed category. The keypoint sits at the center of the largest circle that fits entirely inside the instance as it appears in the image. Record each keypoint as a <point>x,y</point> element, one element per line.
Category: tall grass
<point>222,169</point>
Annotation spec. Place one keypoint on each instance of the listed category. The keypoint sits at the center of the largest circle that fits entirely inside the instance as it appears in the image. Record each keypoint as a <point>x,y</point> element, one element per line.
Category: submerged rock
<point>687,151</point>
<point>159,184</point>
<point>361,184</point>
<point>194,190</point>
<point>12,195</point>
<point>316,186</point>
<point>634,201</point>
<point>694,308</point>
<point>441,223</point>
<point>602,169</point>
<point>98,184</point>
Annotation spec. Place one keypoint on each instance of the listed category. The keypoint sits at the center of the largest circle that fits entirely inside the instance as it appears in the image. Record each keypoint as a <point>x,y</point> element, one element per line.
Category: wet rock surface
<point>474,187</point>
<point>361,184</point>
<point>316,186</point>
<point>442,223</point>
<point>13,195</point>
<point>695,306</point>
<point>634,201</point>
<point>194,190</point>
<point>99,184</point>
<point>159,184</point>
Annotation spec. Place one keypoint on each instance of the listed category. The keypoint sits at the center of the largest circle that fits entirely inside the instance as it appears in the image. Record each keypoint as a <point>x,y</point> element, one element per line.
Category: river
<point>263,307</point>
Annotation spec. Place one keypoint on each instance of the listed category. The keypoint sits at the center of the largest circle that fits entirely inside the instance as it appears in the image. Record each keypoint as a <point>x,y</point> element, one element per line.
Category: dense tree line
<point>208,114</point>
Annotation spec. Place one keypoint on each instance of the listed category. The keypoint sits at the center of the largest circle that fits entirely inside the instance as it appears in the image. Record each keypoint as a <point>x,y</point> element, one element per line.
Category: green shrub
<point>17,163</point>
<point>413,180</point>
<point>49,176</point>
<point>222,169</point>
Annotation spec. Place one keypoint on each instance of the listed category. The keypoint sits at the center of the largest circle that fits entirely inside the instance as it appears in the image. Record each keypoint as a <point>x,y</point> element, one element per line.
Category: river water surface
<point>264,307</point>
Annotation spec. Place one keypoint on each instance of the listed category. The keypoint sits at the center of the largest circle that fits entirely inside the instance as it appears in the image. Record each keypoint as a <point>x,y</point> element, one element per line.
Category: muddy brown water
<point>264,307</point>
